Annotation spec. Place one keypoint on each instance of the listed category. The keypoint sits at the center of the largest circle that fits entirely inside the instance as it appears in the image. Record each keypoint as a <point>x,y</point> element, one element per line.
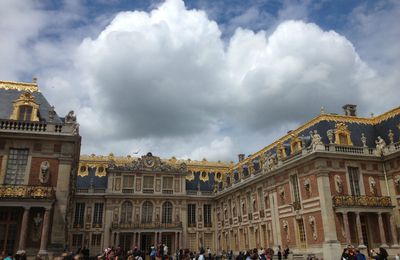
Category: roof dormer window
<point>25,108</point>
<point>25,113</point>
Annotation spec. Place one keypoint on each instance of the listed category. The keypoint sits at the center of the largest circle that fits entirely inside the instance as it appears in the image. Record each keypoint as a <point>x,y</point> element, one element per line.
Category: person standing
<point>279,253</point>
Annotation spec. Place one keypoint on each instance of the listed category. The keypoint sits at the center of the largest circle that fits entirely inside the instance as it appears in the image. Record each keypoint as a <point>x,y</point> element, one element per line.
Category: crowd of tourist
<point>161,252</point>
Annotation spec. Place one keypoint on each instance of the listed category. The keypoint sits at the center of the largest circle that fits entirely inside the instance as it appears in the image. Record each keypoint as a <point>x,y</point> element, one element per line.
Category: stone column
<point>176,242</point>
<point>180,240</point>
<point>331,247</point>
<point>346,228</point>
<point>45,232</point>
<point>359,231</point>
<point>393,231</point>
<point>24,230</point>
<point>138,242</point>
<point>381,230</point>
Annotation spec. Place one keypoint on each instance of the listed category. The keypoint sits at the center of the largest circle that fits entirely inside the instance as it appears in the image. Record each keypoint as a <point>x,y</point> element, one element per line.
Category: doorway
<point>146,241</point>
<point>9,229</point>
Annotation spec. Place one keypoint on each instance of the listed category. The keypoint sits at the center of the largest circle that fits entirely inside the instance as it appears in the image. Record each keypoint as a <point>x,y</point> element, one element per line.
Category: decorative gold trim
<point>25,99</point>
<point>204,176</point>
<point>190,176</point>
<point>101,170</point>
<point>341,129</point>
<point>295,143</point>
<point>20,86</point>
<point>83,170</point>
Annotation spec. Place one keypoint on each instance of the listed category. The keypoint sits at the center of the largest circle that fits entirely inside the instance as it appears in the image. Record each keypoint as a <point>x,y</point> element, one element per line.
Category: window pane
<point>16,166</point>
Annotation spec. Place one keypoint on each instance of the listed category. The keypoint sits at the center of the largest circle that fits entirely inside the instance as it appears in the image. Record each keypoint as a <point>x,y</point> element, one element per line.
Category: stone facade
<point>39,154</point>
<point>333,181</point>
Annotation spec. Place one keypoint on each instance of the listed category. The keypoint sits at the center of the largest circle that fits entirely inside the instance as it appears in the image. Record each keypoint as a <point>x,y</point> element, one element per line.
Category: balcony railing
<point>37,127</point>
<point>154,225</point>
<point>26,192</point>
<point>361,201</point>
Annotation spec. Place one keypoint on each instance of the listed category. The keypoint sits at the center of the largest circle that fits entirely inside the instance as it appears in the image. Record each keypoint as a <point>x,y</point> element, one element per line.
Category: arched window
<point>167,212</point>
<point>147,212</point>
<point>126,212</point>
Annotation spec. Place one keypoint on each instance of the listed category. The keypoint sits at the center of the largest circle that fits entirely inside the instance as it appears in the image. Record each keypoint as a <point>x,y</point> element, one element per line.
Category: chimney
<point>241,157</point>
<point>350,110</point>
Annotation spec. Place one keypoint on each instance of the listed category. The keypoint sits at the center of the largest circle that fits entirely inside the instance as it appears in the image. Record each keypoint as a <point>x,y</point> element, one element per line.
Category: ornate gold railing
<point>26,192</point>
<point>361,201</point>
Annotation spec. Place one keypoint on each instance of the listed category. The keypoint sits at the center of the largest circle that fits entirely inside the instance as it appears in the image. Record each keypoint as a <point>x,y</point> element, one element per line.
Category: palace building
<point>333,181</point>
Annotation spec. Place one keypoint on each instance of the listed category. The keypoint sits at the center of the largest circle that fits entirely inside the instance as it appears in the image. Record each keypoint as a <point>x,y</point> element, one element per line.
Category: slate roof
<point>8,96</point>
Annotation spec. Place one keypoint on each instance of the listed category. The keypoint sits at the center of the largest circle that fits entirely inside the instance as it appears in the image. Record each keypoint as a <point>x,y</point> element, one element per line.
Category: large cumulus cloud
<point>167,73</point>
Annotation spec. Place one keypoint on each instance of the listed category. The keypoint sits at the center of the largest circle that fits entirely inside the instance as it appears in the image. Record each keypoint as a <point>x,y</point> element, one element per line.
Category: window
<point>79,214</point>
<point>98,214</point>
<point>127,183</point>
<point>191,215</point>
<point>126,212</point>
<point>148,184</point>
<point>25,113</point>
<point>295,187</point>
<point>147,212</point>
<point>77,240</point>
<point>260,198</point>
<point>16,166</point>
<point>167,212</point>
<point>167,185</point>
<point>96,239</point>
<point>302,233</point>
<point>207,215</point>
<point>354,181</point>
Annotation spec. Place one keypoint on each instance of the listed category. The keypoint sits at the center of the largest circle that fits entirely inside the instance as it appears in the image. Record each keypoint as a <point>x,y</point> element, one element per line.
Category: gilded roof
<point>20,86</point>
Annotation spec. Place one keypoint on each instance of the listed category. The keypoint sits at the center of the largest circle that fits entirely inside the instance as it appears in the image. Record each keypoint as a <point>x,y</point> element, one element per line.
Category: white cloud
<point>165,81</point>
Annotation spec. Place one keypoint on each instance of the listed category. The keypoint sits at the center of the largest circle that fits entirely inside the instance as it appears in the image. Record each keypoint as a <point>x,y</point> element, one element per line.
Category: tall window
<point>16,166</point>
<point>354,178</point>
<point>207,215</point>
<point>79,214</point>
<point>126,212</point>
<point>98,214</point>
<point>167,185</point>
<point>96,239</point>
<point>25,113</point>
<point>167,212</point>
<point>260,198</point>
<point>77,240</point>
<point>147,212</point>
<point>295,186</point>
<point>301,233</point>
<point>191,215</point>
<point>127,184</point>
<point>148,184</point>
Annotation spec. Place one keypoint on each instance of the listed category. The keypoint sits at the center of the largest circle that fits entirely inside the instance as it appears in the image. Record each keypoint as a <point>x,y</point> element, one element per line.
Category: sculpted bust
<point>44,173</point>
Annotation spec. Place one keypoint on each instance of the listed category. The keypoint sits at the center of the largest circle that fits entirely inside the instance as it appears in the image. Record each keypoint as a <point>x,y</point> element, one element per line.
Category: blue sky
<point>201,78</point>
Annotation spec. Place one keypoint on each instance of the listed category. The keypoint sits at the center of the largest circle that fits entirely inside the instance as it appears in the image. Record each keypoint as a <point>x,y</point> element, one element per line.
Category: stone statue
<point>338,184</point>
<point>391,136</point>
<point>52,114</point>
<point>44,174</point>
<point>372,185</point>
<point>316,141</point>
<point>380,145</point>
<point>329,133</point>
<point>70,117</point>
<point>363,140</point>
<point>36,227</point>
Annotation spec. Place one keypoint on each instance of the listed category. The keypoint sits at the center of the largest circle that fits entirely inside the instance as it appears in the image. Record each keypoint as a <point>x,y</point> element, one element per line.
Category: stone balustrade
<point>37,127</point>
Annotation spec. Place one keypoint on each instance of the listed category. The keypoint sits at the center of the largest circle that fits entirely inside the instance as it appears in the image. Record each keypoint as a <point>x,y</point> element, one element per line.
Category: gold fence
<point>26,192</point>
<point>361,201</point>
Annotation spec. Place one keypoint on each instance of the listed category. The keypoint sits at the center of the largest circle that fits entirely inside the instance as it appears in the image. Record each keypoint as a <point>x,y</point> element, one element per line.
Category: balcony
<point>26,192</point>
<point>153,225</point>
<point>7,125</point>
<point>361,201</point>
